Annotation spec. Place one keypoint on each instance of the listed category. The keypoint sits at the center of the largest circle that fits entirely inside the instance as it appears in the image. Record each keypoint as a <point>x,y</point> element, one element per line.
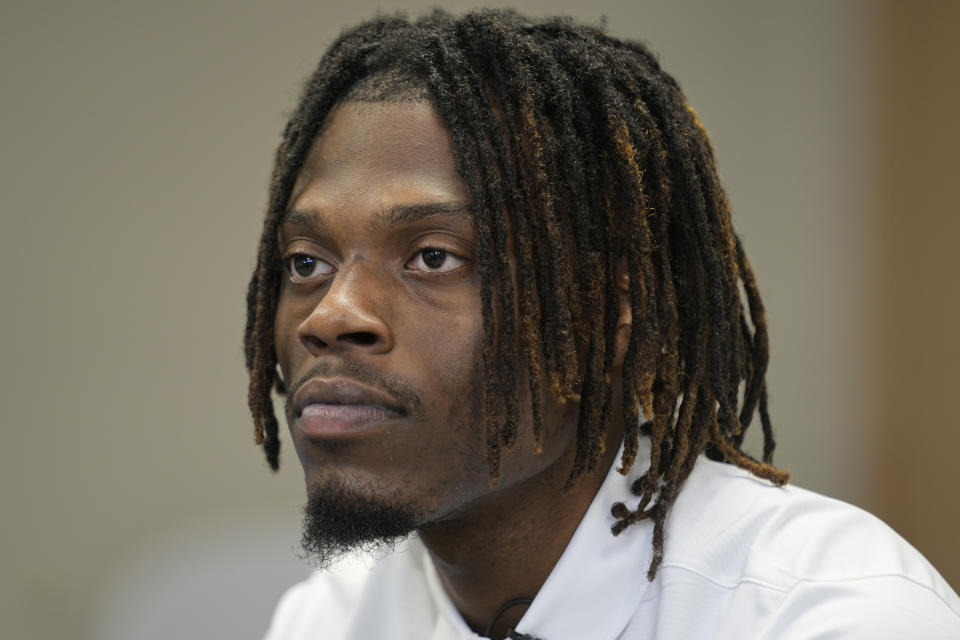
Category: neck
<point>504,546</point>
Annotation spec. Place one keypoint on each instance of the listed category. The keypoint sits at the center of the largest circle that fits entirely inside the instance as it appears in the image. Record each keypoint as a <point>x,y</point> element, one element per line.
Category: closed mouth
<point>338,407</point>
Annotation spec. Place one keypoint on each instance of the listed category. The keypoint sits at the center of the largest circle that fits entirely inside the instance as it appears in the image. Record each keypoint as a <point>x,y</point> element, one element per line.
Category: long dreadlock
<point>587,151</point>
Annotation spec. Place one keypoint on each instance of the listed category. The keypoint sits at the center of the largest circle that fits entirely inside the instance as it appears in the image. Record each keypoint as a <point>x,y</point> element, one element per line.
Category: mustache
<point>405,394</point>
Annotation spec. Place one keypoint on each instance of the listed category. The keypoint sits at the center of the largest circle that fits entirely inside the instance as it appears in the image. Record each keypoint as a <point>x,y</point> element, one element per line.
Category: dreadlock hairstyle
<point>588,153</point>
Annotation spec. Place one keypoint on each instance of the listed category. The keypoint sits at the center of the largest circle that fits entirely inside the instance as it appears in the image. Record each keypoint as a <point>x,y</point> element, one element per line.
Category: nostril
<point>314,342</point>
<point>360,338</point>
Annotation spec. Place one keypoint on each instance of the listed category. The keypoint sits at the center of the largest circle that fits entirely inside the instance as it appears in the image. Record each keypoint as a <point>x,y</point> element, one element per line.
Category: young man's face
<point>378,326</point>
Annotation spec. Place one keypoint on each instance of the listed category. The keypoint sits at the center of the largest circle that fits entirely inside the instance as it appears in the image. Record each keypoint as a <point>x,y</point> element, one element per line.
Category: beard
<point>340,521</point>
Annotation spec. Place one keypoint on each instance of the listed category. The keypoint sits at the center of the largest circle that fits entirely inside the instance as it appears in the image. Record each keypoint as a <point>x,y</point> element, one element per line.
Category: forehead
<point>370,150</point>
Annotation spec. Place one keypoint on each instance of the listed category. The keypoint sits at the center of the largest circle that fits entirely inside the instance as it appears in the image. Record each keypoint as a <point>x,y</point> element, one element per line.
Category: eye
<point>303,267</point>
<point>435,260</point>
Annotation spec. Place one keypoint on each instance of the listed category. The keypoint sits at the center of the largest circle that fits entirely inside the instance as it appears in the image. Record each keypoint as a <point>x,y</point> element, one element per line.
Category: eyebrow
<point>398,214</point>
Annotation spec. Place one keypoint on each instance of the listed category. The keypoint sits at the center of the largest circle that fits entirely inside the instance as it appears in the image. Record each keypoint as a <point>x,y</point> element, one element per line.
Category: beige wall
<point>137,141</point>
<point>915,311</point>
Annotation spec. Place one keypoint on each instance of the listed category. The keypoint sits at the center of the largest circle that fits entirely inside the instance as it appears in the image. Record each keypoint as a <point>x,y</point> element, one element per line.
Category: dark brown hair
<point>586,150</point>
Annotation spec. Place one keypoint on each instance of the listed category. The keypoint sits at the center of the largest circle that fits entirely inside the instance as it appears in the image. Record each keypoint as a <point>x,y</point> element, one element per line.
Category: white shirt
<point>742,559</point>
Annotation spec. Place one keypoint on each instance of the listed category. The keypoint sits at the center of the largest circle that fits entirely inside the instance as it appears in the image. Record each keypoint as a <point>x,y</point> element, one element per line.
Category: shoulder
<point>746,527</point>
<point>799,558</point>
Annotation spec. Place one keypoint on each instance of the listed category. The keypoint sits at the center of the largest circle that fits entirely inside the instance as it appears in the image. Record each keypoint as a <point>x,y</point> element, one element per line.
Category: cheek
<point>285,338</point>
<point>444,336</point>
<point>447,353</point>
<point>446,358</point>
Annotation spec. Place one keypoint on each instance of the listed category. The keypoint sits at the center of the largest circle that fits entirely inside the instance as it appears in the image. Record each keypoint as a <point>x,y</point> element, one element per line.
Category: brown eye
<point>435,260</point>
<point>303,267</point>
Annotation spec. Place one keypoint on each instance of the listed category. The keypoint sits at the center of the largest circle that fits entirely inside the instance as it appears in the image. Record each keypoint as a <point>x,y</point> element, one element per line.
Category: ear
<point>625,314</point>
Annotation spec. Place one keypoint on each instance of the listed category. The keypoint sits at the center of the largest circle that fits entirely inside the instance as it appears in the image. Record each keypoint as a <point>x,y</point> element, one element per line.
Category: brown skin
<point>369,296</point>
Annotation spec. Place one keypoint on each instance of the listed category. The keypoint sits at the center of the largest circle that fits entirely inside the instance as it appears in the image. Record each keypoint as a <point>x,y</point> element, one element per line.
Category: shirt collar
<point>596,586</point>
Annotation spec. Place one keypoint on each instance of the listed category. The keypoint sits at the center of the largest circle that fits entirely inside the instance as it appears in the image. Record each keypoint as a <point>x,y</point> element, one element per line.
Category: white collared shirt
<point>742,559</point>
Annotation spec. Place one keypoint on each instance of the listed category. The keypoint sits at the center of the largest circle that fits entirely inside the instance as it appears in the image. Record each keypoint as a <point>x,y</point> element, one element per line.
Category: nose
<point>348,316</point>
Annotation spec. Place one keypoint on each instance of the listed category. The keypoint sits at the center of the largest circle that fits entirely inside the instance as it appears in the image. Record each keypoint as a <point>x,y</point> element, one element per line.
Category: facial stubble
<point>354,518</point>
<point>340,520</point>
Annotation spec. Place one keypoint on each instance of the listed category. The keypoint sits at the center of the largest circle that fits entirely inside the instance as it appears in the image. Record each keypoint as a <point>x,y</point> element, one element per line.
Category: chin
<point>342,519</point>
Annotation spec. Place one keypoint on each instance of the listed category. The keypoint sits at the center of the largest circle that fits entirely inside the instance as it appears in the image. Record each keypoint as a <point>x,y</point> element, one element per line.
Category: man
<point>498,274</point>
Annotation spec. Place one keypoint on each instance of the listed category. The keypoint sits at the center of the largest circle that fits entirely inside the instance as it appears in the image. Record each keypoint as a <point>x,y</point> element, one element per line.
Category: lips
<point>339,407</point>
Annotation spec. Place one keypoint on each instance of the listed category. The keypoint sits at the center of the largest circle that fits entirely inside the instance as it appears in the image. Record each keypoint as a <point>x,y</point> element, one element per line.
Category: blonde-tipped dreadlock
<point>593,153</point>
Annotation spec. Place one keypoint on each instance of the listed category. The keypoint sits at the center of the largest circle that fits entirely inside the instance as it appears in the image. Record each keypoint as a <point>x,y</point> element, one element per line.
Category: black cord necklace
<point>511,634</point>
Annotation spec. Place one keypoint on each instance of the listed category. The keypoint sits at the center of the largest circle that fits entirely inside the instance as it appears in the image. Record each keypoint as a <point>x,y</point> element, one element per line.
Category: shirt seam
<point>785,589</point>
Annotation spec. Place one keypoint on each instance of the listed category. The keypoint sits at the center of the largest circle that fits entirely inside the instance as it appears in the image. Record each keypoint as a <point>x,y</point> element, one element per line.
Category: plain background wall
<point>137,144</point>
<point>914,343</point>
